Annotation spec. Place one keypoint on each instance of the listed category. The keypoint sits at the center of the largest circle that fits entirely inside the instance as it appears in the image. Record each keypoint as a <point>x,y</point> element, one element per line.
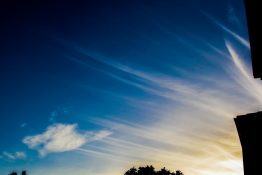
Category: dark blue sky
<point>65,63</point>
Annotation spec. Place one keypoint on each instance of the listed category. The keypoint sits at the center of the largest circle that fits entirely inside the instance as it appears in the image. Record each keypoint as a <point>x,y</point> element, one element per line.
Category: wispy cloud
<point>195,130</point>
<point>23,125</point>
<point>232,15</point>
<point>62,137</point>
<point>60,111</point>
<point>19,155</point>
<point>241,39</point>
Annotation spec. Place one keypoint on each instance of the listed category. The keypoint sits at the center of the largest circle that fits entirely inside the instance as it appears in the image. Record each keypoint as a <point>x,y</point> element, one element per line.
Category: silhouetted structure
<point>15,173</point>
<point>249,129</point>
<point>254,13</point>
<point>249,126</point>
<point>150,170</point>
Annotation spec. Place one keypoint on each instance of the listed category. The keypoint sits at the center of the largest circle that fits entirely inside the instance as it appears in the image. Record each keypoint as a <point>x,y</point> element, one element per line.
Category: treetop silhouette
<point>150,170</point>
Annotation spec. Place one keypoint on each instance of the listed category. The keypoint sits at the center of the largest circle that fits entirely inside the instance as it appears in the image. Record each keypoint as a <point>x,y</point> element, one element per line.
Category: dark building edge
<point>254,22</point>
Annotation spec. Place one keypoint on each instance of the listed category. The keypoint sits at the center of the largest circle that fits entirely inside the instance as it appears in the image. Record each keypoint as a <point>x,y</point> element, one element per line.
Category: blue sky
<point>96,88</point>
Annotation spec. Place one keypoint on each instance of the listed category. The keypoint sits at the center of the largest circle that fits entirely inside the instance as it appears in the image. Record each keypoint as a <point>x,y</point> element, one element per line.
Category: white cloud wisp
<point>60,138</point>
<point>194,128</point>
<point>18,155</point>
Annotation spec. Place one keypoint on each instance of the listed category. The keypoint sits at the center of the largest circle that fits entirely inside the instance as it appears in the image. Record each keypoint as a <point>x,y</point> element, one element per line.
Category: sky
<point>98,87</point>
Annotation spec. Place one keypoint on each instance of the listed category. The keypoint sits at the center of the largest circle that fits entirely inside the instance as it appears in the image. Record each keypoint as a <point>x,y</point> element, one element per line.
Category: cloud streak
<point>18,155</point>
<point>229,31</point>
<point>195,129</point>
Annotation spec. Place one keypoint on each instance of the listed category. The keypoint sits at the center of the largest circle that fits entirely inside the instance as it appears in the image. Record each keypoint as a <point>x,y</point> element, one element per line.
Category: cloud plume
<point>60,138</point>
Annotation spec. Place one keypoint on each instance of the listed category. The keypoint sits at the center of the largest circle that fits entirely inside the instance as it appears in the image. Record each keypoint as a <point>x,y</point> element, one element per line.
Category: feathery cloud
<point>241,39</point>
<point>13,156</point>
<point>203,138</point>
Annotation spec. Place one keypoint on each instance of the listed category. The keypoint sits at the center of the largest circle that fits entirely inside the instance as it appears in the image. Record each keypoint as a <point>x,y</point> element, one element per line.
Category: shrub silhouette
<point>13,173</point>
<point>150,170</point>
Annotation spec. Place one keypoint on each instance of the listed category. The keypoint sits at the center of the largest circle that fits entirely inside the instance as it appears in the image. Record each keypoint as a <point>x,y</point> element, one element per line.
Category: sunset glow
<point>95,89</point>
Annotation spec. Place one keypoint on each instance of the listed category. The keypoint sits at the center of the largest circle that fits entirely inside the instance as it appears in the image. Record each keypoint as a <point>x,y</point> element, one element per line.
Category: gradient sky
<point>98,87</point>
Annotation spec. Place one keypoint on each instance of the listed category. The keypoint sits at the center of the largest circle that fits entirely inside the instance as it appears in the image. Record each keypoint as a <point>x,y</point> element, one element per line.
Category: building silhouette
<point>254,22</point>
<point>249,128</point>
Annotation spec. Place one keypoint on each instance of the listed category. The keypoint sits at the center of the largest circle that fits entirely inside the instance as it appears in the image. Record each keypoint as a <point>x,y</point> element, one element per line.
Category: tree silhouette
<point>13,173</point>
<point>178,172</point>
<point>150,170</point>
<point>163,171</point>
<point>132,171</point>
